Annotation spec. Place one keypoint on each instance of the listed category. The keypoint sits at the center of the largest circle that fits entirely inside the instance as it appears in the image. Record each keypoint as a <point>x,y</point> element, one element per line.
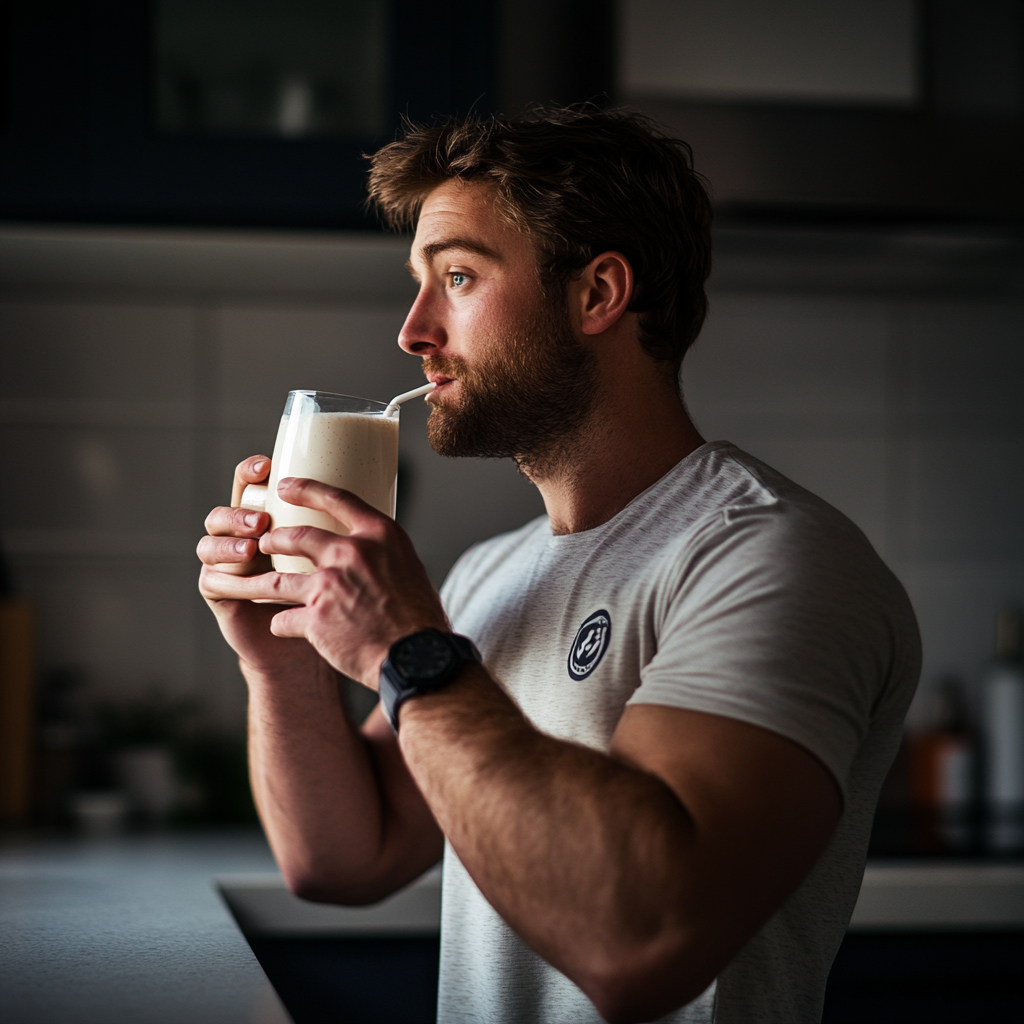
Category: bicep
<point>763,807</point>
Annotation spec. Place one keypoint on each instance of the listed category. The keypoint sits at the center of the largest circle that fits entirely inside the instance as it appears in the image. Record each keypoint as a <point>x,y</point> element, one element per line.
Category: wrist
<point>262,675</point>
<point>440,709</point>
<point>422,663</point>
<point>472,713</point>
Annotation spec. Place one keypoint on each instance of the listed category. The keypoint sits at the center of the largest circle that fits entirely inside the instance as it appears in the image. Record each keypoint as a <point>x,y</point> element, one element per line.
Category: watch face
<point>422,656</point>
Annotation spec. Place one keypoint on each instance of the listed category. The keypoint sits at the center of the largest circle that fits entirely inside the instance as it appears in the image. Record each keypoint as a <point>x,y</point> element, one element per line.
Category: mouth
<point>441,382</point>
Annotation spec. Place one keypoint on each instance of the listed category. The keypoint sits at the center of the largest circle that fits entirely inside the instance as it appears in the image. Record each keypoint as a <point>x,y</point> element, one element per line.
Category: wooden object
<point>17,685</point>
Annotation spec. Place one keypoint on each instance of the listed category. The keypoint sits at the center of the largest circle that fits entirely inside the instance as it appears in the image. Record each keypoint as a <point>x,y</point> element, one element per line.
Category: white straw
<point>399,399</point>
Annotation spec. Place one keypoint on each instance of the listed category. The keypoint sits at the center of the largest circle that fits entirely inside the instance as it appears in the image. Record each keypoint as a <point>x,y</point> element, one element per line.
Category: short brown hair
<point>582,181</point>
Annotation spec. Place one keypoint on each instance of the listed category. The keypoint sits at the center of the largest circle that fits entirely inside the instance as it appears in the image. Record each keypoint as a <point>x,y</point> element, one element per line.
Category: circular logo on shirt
<point>590,644</point>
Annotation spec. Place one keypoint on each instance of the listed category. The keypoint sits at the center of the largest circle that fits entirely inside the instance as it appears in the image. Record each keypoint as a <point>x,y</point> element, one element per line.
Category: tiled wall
<point>906,414</point>
<point>139,368</point>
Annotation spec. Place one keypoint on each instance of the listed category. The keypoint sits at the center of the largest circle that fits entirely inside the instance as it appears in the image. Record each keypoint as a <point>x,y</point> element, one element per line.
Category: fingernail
<point>252,519</point>
<point>258,467</point>
<point>242,546</point>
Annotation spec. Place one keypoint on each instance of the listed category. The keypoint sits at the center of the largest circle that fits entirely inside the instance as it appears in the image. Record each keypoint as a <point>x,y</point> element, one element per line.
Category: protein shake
<point>341,441</point>
<point>354,451</point>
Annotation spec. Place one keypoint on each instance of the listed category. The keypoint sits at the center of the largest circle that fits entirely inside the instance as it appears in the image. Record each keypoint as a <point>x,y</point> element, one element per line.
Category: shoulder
<point>775,609</point>
<point>772,538</point>
<point>737,503</point>
<point>766,548</point>
<point>483,560</point>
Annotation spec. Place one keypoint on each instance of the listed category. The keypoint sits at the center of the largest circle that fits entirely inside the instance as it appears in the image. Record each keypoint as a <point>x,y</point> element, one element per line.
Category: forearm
<point>589,860</point>
<point>343,815</point>
<point>315,784</point>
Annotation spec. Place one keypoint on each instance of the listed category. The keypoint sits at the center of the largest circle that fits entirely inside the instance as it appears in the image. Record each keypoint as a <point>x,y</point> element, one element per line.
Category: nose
<point>422,334</point>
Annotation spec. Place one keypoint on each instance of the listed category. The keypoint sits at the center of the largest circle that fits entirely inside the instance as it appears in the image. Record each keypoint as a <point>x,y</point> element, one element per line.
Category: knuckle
<point>300,534</point>
<point>360,548</point>
<point>238,519</point>
<point>326,583</point>
<point>347,554</point>
<point>376,528</point>
<point>213,518</point>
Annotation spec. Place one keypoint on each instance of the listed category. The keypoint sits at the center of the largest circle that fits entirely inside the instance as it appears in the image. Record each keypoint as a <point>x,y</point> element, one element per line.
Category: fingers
<point>300,540</point>
<point>344,506</point>
<point>284,587</point>
<point>291,622</point>
<point>253,470</point>
<point>233,541</point>
<point>236,522</point>
<point>218,550</point>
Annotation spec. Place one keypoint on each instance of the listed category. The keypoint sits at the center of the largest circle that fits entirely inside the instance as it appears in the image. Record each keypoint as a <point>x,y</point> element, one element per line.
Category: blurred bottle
<point>943,772</point>
<point>146,775</point>
<point>1003,736</point>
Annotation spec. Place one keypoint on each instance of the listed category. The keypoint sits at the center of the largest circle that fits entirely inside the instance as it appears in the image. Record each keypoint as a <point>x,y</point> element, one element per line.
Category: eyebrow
<point>432,249</point>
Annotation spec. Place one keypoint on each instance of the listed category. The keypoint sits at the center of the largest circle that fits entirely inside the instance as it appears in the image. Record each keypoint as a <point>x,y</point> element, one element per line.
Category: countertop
<point>944,895</point>
<point>896,896</point>
<point>139,929</point>
<point>129,929</point>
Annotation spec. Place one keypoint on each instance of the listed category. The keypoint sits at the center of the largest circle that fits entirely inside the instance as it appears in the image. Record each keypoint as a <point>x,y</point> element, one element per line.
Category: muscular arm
<point>343,817</point>
<point>345,820</point>
<point>639,875</point>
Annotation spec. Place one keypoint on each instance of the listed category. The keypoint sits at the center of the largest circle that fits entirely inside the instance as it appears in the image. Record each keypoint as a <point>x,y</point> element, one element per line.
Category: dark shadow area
<point>914,979</point>
<point>885,979</point>
<point>354,981</point>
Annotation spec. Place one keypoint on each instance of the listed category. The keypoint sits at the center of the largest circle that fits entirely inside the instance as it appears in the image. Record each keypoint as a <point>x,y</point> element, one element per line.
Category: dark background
<point>79,142</point>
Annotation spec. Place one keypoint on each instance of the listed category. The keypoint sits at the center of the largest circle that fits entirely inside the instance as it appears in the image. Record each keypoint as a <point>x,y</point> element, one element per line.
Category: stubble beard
<point>529,402</point>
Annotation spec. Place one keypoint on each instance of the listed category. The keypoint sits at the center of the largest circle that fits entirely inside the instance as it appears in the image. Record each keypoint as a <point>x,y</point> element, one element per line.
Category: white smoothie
<point>355,451</point>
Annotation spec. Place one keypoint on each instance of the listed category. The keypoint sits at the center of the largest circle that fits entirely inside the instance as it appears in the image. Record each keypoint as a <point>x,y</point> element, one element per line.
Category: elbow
<point>309,886</point>
<point>624,1002</point>
<point>321,887</point>
<point>644,986</point>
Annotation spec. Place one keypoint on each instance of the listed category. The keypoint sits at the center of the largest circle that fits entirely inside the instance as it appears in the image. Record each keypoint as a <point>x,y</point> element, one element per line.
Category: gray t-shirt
<point>722,588</point>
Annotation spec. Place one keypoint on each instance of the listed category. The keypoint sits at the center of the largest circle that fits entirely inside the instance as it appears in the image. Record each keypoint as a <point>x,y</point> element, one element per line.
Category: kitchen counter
<point>129,929</point>
<point>940,895</point>
<point>895,896</point>
<point>139,929</point>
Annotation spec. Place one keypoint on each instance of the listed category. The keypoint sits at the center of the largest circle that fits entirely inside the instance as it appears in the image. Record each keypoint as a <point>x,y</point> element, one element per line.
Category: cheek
<point>492,316</point>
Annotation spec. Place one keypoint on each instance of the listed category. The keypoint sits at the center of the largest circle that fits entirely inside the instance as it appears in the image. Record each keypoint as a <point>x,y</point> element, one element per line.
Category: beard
<point>528,402</point>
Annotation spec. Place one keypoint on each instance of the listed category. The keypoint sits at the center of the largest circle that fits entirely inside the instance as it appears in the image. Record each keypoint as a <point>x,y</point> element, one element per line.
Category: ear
<point>603,292</point>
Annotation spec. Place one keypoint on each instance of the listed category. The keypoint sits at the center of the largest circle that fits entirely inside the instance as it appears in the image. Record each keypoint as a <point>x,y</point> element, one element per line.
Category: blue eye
<point>458,280</point>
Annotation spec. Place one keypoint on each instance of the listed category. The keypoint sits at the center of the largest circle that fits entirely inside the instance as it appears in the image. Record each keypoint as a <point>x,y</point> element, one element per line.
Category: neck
<point>634,437</point>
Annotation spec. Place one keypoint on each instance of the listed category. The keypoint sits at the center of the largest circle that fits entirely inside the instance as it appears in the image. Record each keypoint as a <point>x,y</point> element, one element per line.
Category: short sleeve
<point>778,619</point>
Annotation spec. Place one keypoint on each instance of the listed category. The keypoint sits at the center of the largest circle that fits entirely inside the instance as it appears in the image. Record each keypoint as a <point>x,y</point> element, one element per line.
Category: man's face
<point>513,378</point>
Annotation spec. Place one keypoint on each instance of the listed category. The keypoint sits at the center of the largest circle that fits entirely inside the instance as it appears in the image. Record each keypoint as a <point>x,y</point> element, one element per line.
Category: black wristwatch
<point>422,663</point>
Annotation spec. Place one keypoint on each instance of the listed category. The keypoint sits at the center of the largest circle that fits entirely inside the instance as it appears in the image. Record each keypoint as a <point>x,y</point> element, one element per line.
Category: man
<point>656,787</point>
